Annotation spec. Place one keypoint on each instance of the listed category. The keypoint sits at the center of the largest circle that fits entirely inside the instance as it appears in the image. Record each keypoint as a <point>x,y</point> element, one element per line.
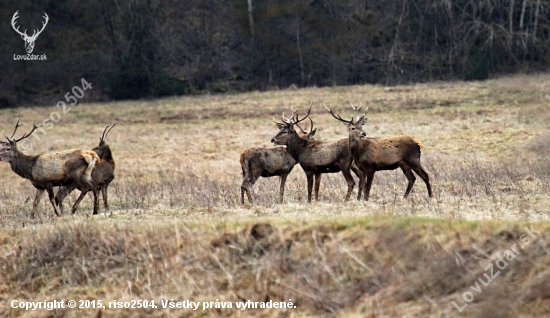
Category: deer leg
<point>356,170</point>
<point>59,205</point>
<point>282,179</point>
<point>37,197</point>
<point>370,177</point>
<point>317,184</point>
<point>245,187</point>
<point>422,174</point>
<point>309,186</point>
<point>80,197</point>
<point>95,191</point>
<point>51,195</point>
<point>410,176</point>
<point>62,193</point>
<point>104,195</point>
<point>361,185</point>
<point>349,180</point>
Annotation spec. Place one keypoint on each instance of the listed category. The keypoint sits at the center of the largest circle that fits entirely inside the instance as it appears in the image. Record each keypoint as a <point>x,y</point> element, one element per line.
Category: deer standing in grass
<point>46,171</point>
<point>102,175</point>
<point>315,157</point>
<point>268,162</point>
<point>371,155</point>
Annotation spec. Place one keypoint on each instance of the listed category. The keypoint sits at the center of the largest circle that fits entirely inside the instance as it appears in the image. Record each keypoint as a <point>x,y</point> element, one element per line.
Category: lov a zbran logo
<point>29,40</point>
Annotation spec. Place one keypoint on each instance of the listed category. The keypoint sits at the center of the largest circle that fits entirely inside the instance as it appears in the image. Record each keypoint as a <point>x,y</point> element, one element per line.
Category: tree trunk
<point>299,48</point>
<point>251,17</point>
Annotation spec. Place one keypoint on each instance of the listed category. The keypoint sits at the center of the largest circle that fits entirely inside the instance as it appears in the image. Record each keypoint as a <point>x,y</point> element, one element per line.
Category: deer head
<point>286,127</point>
<point>9,149</point>
<point>355,127</point>
<point>29,40</point>
<point>102,147</point>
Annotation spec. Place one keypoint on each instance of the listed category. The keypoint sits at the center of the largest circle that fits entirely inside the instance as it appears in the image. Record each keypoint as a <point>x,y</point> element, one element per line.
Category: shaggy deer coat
<point>102,175</point>
<point>316,157</point>
<point>46,171</point>
<point>268,162</point>
<point>371,155</point>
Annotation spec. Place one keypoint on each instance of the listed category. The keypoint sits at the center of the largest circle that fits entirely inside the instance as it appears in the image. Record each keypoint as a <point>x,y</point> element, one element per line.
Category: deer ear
<point>363,121</point>
<point>280,126</point>
<point>311,134</point>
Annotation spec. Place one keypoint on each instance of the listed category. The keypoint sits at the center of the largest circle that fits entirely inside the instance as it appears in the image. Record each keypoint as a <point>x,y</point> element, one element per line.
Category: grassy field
<point>177,229</point>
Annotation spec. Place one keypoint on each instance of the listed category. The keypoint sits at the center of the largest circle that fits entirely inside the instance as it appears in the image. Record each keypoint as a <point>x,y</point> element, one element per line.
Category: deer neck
<point>23,164</point>
<point>355,144</point>
<point>295,146</point>
<point>108,157</point>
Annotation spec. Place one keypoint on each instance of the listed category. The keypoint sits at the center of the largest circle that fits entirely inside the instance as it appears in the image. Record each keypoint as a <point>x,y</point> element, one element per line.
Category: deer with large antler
<point>29,40</point>
<point>102,175</point>
<point>314,156</point>
<point>371,155</point>
<point>46,171</point>
<point>269,162</point>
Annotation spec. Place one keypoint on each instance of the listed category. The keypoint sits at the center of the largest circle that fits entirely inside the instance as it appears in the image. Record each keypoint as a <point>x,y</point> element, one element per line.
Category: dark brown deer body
<point>268,162</point>
<point>371,155</point>
<point>102,175</point>
<point>316,157</point>
<point>264,162</point>
<point>51,170</point>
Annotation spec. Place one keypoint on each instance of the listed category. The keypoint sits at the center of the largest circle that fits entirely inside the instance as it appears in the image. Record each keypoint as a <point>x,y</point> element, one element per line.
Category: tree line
<point>150,48</point>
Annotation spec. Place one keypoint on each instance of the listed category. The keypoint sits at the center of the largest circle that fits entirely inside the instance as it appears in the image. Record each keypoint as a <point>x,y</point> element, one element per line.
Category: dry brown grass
<point>376,267</point>
<point>486,150</point>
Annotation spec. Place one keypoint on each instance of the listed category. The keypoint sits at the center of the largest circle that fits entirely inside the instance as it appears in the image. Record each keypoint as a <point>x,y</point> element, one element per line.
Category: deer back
<point>386,151</point>
<point>270,161</point>
<point>316,153</point>
<point>59,166</point>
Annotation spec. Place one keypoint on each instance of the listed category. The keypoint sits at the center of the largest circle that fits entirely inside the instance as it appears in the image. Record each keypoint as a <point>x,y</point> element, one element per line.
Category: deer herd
<point>85,170</point>
<point>93,170</point>
<point>363,156</point>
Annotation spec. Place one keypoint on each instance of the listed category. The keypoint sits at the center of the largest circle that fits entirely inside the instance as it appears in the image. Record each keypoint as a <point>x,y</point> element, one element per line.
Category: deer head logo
<point>29,40</point>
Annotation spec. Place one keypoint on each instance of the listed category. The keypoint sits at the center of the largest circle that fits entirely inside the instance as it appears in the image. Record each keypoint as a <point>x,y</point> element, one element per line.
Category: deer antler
<point>293,119</point>
<point>296,120</point>
<point>106,131</point>
<point>25,135</point>
<point>15,130</point>
<point>310,127</point>
<point>337,116</point>
<point>357,116</point>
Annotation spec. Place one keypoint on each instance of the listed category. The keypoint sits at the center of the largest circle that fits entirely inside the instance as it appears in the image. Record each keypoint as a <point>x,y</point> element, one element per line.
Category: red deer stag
<point>46,171</point>
<point>102,175</point>
<point>315,157</point>
<point>371,155</point>
<point>268,162</point>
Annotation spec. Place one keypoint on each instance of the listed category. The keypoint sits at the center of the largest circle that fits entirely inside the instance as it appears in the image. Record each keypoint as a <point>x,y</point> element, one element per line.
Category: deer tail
<point>244,165</point>
<point>91,160</point>
<point>418,143</point>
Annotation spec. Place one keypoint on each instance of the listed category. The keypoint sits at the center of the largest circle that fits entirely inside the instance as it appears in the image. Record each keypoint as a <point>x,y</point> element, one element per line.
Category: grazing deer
<point>46,171</point>
<point>371,155</point>
<point>268,162</point>
<point>315,157</point>
<point>102,175</point>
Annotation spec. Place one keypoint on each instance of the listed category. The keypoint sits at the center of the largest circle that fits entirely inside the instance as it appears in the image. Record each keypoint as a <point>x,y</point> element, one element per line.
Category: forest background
<point>150,48</point>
